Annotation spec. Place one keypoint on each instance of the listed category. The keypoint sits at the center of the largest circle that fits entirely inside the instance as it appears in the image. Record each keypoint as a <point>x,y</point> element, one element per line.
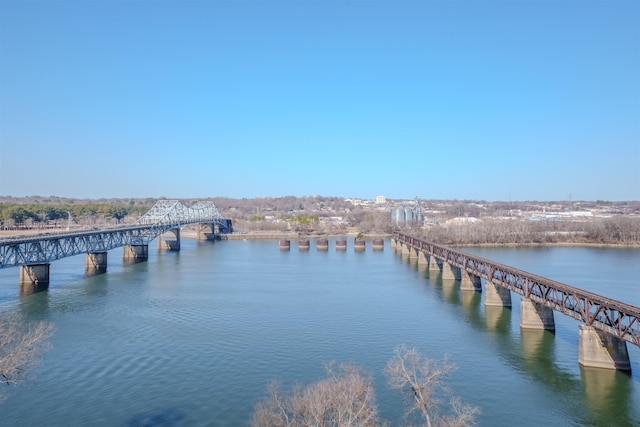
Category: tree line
<point>622,230</point>
<point>39,215</point>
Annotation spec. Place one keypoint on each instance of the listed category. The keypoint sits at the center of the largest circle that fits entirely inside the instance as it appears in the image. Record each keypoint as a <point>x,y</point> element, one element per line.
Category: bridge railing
<point>614,317</point>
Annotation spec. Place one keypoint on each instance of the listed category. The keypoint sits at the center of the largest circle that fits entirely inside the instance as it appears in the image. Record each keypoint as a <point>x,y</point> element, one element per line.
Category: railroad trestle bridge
<point>163,221</point>
<point>607,325</point>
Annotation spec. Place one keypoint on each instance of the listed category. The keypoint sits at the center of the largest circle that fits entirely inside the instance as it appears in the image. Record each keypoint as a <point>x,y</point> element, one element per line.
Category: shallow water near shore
<point>193,337</point>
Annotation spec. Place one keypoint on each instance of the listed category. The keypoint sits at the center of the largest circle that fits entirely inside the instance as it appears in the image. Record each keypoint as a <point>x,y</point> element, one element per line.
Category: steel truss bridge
<point>614,317</point>
<point>165,215</point>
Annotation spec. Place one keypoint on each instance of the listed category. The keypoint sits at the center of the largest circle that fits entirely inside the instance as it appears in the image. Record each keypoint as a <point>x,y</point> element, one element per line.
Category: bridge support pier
<point>413,253</point>
<point>34,278</point>
<point>206,231</point>
<point>433,264</point>
<point>448,272</point>
<point>135,253</point>
<point>422,258</point>
<point>534,315</point>
<point>405,250</point>
<point>394,244</point>
<point>496,295</point>
<point>170,244</point>
<point>470,282</point>
<point>597,349</point>
<point>96,263</point>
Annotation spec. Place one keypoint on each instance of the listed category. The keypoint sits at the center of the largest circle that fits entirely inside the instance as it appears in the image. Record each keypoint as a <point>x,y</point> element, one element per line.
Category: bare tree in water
<point>344,399</point>
<point>422,382</point>
<point>20,345</point>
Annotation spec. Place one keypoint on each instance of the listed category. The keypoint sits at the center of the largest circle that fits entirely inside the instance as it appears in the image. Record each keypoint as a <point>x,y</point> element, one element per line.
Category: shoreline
<point>279,235</point>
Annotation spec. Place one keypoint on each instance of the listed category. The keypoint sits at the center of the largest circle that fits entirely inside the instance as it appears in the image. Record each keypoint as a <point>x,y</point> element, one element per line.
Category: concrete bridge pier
<point>534,315</point>
<point>170,244</point>
<point>496,295</point>
<point>206,231</point>
<point>322,244</point>
<point>448,271</point>
<point>413,253</point>
<point>96,263</point>
<point>405,250</point>
<point>597,349</point>
<point>394,244</point>
<point>135,253</point>
<point>422,259</point>
<point>34,278</point>
<point>433,264</point>
<point>470,282</point>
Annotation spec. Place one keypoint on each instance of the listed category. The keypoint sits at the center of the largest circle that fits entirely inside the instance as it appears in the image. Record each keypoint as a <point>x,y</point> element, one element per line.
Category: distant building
<point>381,200</point>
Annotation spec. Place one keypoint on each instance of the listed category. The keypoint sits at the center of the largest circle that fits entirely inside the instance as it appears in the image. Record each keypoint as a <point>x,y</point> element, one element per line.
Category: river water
<point>193,338</point>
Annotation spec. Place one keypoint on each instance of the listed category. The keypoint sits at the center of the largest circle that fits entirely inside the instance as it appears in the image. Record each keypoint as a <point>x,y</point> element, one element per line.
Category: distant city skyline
<point>467,100</point>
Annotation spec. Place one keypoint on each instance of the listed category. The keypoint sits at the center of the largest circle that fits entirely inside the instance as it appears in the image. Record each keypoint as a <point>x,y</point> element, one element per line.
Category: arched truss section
<point>168,214</point>
<point>174,213</point>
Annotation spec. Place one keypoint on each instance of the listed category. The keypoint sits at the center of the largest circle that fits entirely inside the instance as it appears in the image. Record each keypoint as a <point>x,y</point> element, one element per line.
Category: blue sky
<point>485,100</point>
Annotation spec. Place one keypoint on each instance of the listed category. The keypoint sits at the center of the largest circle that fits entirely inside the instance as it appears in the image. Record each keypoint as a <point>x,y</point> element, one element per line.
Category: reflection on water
<point>607,395</point>
<point>498,319</point>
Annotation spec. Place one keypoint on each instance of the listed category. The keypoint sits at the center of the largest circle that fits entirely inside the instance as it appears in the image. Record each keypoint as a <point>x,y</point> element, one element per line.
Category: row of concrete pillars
<point>323,244</point>
<point>595,349</point>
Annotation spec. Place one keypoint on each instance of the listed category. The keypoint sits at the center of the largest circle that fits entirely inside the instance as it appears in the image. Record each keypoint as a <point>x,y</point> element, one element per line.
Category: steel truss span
<point>614,317</point>
<point>162,217</point>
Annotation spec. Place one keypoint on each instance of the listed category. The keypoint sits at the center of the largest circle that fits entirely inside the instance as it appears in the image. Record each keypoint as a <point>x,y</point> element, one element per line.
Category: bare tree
<point>345,398</point>
<point>422,381</point>
<point>20,345</point>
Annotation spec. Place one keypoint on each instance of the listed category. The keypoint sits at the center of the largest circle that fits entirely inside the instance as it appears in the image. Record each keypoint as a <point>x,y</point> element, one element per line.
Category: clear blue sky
<point>487,100</point>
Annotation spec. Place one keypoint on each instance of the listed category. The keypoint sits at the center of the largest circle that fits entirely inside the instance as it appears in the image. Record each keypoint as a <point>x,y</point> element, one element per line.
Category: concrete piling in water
<point>433,264</point>
<point>378,244</point>
<point>496,295</point>
<point>341,244</point>
<point>34,278</point>
<point>170,244</point>
<point>284,245</point>
<point>96,263</point>
<point>322,244</point>
<point>597,349</point>
<point>536,316</point>
<point>304,244</point>
<point>135,253</point>
<point>413,253</point>
<point>359,245</point>
<point>405,250</point>
<point>470,282</point>
<point>422,259</point>
<point>448,272</point>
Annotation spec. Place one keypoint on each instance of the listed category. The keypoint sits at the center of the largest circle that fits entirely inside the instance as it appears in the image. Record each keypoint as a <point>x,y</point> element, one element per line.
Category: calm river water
<point>193,338</point>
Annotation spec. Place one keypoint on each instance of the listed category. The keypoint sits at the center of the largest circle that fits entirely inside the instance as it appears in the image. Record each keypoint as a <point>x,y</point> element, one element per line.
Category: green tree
<point>19,214</point>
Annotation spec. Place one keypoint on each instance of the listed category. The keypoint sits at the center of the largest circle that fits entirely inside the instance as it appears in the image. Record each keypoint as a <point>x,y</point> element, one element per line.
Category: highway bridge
<point>35,253</point>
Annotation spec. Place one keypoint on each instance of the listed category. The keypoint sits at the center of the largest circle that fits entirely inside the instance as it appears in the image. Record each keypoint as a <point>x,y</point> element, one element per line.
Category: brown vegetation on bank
<point>618,231</point>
